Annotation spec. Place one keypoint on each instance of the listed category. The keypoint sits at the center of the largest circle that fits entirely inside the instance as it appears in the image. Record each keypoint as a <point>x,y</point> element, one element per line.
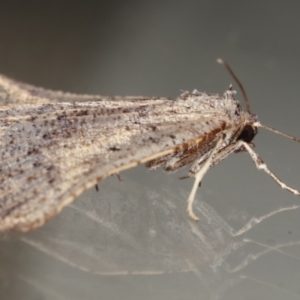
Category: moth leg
<point>242,149</point>
<point>198,177</point>
<point>222,154</point>
<point>262,166</point>
<point>186,177</point>
<point>119,177</point>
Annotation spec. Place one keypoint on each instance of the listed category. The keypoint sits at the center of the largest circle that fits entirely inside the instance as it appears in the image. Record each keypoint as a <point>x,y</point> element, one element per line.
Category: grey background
<point>132,240</point>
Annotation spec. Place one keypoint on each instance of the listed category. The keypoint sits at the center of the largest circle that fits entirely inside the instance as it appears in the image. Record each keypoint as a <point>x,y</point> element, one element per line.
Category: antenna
<point>257,124</point>
<point>228,68</point>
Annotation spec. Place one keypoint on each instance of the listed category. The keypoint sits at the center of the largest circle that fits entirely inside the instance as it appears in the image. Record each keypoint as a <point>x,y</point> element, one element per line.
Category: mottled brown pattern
<point>55,145</point>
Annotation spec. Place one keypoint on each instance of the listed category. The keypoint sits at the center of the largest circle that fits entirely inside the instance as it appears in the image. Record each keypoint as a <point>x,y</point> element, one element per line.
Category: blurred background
<point>133,240</point>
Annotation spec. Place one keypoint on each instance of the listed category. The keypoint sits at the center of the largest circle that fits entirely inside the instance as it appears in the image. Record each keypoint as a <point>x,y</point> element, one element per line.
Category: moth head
<point>250,129</point>
<point>248,133</point>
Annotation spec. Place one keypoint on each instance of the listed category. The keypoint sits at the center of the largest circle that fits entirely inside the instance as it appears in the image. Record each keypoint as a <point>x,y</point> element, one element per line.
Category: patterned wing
<point>50,153</point>
<point>15,92</point>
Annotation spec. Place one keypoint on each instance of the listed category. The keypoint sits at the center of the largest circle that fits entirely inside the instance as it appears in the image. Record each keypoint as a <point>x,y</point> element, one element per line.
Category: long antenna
<point>257,124</point>
<point>277,131</point>
<point>228,68</point>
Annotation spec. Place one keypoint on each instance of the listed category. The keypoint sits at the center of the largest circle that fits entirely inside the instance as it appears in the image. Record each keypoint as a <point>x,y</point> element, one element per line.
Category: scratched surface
<point>132,240</point>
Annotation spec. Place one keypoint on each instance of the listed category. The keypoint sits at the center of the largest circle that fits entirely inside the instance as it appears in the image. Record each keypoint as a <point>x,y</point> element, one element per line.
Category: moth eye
<point>247,134</point>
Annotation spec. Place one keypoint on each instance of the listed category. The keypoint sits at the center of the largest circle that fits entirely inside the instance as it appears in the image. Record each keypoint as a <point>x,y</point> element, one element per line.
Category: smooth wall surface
<point>133,240</point>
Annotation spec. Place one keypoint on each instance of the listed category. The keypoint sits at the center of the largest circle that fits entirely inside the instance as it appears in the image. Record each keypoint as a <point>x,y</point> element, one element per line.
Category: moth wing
<point>16,92</point>
<point>50,153</point>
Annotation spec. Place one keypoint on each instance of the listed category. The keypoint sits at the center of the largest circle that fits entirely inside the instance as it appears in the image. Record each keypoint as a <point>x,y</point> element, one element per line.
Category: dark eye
<point>247,134</point>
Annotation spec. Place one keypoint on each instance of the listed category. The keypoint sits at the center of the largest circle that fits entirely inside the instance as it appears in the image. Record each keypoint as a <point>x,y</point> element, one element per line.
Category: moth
<point>55,145</point>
